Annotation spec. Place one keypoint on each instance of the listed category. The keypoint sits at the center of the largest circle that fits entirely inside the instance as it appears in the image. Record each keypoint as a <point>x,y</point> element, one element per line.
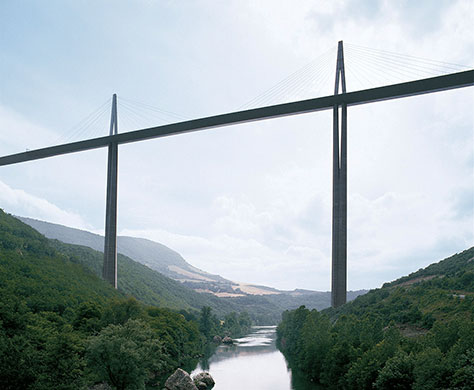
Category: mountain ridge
<point>165,260</point>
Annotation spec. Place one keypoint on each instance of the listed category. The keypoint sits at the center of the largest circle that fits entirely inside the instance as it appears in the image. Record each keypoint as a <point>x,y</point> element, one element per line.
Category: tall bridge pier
<point>109,271</point>
<point>339,190</point>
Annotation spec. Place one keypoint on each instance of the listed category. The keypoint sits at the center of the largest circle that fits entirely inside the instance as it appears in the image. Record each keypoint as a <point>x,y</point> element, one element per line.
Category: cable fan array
<point>308,81</point>
<point>133,115</point>
<point>369,68</point>
<point>364,68</point>
<point>91,126</point>
<point>136,115</point>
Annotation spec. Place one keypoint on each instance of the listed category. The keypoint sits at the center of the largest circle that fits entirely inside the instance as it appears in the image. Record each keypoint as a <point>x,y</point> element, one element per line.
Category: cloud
<point>259,239</point>
<point>21,203</point>
<point>396,234</point>
<point>253,202</point>
<point>19,134</point>
<point>246,260</point>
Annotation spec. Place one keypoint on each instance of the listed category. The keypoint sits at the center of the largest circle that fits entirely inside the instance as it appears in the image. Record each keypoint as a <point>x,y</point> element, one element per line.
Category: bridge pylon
<point>339,185</point>
<point>109,271</point>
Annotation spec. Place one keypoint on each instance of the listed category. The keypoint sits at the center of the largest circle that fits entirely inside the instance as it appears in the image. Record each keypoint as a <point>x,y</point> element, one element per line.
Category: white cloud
<point>19,134</point>
<point>19,202</point>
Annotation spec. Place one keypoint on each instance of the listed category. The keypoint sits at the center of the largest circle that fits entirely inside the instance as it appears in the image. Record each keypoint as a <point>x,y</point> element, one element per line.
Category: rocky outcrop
<point>227,340</point>
<point>204,381</point>
<point>201,385</point>
<point>180,380</point>
<point>217,339</point>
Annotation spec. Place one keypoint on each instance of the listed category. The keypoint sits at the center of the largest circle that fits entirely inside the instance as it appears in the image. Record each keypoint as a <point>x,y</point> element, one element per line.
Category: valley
<point>153,265</point>
<point>415,331</point>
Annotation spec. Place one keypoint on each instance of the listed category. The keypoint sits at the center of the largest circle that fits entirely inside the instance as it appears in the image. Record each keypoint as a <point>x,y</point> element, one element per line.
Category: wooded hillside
<point>416,332</point>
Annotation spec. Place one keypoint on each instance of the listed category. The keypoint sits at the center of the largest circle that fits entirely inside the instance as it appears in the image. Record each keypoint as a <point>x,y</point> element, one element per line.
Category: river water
<point>252,363</point>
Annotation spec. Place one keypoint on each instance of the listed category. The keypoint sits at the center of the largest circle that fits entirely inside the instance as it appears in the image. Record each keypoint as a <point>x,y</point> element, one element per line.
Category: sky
<point>250,202</point>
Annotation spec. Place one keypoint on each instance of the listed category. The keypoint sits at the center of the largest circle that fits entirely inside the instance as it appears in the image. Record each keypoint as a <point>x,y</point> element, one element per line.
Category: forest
<point>416,332</point>
<point>62,327</point>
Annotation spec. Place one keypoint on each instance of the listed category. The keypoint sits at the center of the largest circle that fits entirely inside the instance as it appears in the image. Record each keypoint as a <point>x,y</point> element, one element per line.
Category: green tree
<point>120,311</point>
<point>126,356</point>
<point>289,331</point>
<point>62,363</point>
<point>337,363</point>
<point>88,317</point>
<point>207,323</point>
<point>316,342</point>
<point>363,372</point>
<point>397,373</point>
<point>463,377</point>
<point>431,371</point>
<point>445,334</point>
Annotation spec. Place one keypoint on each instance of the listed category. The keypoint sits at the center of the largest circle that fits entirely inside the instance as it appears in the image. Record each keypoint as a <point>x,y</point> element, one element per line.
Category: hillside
<point>151,287</point>
<point>413,333</point>
<point>439,291</point>
<point>57,317</point>
<point>29,264</point>
<point>152,254</point>
<point>135,279</point>
<point>264,303</point>
<point>145,284</point>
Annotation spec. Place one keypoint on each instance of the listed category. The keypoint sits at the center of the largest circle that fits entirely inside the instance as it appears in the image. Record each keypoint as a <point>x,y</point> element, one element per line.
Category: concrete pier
<point>109,271</point>
<point>339,183</point>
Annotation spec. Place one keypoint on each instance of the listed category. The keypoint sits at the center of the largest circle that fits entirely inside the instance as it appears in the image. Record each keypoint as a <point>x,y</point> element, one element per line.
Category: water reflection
<point>253,363</point>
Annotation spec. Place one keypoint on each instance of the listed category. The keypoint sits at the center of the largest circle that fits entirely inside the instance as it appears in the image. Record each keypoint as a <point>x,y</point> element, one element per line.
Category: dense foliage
<point>417,332</point>
<point>233,324</point>
<point>62,327</point>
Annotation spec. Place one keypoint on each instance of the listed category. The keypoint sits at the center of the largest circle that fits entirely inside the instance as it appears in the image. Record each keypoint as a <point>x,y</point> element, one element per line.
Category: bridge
<point>338,103</point>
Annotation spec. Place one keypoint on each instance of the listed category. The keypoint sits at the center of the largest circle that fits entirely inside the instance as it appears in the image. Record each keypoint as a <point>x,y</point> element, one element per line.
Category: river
<point>252,363</point>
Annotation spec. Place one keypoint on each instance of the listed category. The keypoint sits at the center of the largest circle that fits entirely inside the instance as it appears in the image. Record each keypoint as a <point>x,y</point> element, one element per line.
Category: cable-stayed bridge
<point>383,64</point>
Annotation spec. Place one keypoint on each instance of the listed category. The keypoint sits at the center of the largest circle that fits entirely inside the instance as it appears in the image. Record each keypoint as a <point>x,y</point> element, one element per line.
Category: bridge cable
<point>83,124</point>
<point>448,65</point>
<point>289,83</point>
<point>155,108</point>
<point>131,116</point>
<point>292,92</point>
<point>384,67</point>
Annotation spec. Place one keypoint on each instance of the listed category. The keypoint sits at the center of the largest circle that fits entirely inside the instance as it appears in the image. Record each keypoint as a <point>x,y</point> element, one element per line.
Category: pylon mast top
<point>113,116</point>
<point>340,71</point>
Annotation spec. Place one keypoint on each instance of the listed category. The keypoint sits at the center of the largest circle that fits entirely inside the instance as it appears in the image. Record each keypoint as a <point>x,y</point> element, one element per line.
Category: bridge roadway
<point>395,91</point>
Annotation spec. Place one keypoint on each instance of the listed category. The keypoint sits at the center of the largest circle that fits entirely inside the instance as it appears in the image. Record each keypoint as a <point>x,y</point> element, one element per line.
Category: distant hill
<point>145,284</point>
<point>65,274</point>
<point>155,256</point>
<point>170,263</point>
<point>152,254</point>
<point>153,288</point>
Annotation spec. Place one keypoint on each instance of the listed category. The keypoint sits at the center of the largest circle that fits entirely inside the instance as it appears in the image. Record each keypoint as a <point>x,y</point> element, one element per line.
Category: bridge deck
<point>395,91</point>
